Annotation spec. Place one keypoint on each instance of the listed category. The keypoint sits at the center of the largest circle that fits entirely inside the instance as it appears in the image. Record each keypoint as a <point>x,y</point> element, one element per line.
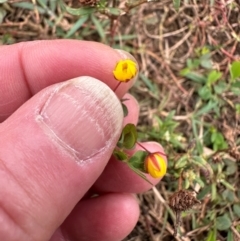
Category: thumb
<point>52,150</point>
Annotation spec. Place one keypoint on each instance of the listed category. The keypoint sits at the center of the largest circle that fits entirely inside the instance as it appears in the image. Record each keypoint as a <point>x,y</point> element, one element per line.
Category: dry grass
<point>163,40</point>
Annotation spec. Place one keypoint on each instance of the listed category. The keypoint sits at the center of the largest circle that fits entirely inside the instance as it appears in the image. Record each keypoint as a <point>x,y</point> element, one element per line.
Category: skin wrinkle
<point>51,94</point>
<point>24,77</point>
<point>40,119</point>
<point>56,139</point>
<point>60,236</point>
<point>84,113</point>
<point>39,173</point>
<point>4,115</point>
<point>7,103</point>
<point>23,71</point>
<point>14,222</point>
<point>30,193</point>
<point>97,99</point>
<point>43,175</point>
<point>104,102</point>
<point>21,188</point>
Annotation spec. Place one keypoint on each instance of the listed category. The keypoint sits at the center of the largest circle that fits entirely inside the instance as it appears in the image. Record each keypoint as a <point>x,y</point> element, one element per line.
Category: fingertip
<point>151,146</point>
<point>108,217</point>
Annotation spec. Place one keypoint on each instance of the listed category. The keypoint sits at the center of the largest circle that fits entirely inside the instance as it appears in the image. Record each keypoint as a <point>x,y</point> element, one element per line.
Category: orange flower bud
<point>155,165</point>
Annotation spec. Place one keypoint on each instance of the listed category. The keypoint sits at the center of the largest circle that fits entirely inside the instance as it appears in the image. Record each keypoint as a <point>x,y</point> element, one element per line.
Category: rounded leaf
<point>223,222</point>
<point>137,160</point>
<point>120,155</point>
<point>128,138</point>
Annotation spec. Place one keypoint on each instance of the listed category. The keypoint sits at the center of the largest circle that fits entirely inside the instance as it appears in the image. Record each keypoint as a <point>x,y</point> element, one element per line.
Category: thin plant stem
<point>115,89</point>
<point>148,150</point>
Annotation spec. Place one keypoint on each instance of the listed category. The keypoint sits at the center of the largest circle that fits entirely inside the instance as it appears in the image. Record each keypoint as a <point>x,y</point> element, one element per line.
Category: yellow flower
<point>155,165</point>
<point>125,70</point>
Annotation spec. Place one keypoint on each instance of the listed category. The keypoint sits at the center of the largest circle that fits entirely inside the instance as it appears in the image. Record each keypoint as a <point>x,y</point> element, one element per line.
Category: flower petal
<point>155,165</point>
<point>125,70</point>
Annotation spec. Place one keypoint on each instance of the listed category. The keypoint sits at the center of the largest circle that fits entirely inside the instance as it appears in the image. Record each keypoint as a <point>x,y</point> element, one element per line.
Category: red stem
<point>114,90</point>
<point>148,150</point>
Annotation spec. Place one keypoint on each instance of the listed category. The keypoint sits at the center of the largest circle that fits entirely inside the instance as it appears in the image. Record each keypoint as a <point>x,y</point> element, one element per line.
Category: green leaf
<point>212,235</point>
<point>228,195</point>
<point>42,3</point>
<point>128,138</point>
<point>3,13</point>
<point>99,27</point>
<point>205,92</point>
<point>213,76</point>
<point>195,124</point>
<point>230,236</point>
<point>236,209</point>
<point>227,185</point>
<point>80,11</point>
<point>220,87</point>
<point>120,155</point>
<point>223,222</point>
<point>186,184</point>
<point>231,168</point>
<point>206,63</point>
<point>199,160</point>
<point>235,69</point>
<point>234,90</point>
<point>102,3</point>
<point>205,191</point>
<point>214,135</point>
<point>236,84</point>
<point>149,83</point>
<point>176,4</point>
<point>125,110</point>
<point>206,108</point>
<point>53,5</point>
<point>205,59</point>
<point>205,52</point>
<point>182,162</point>
<point>125,37</point>
<point>30,6</point>
<point>199,181</point>
<point>114,11</point>
<point>237,108</point>
<point>214,192</point>
<point>193,63</point>
<point>137,160</point>
<point>218,141</point>
<point>76,26</point>
<point>196,77</point>
<point>238,228</point>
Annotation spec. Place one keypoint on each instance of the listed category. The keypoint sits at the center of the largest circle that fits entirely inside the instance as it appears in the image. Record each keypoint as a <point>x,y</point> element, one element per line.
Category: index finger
<point>31,66</point>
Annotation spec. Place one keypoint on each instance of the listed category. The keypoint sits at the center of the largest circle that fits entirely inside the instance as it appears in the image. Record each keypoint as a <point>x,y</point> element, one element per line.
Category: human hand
<point>56,139</point>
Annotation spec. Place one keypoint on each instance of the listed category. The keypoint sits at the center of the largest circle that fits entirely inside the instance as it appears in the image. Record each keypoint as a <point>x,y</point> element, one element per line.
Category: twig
<point>168,70</point>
